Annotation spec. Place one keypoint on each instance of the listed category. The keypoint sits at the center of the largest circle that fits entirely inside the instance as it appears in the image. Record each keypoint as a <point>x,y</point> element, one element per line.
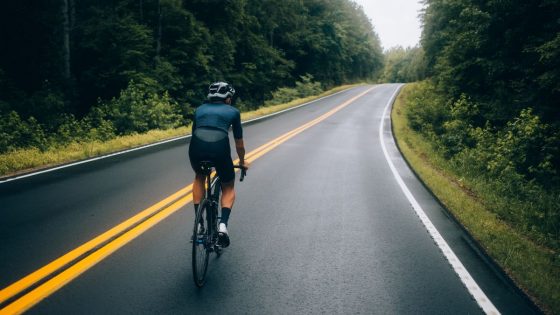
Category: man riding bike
<point>210,142</point>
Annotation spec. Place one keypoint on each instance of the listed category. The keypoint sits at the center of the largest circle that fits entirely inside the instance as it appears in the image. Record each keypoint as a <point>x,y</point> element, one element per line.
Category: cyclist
<point>210,142</point>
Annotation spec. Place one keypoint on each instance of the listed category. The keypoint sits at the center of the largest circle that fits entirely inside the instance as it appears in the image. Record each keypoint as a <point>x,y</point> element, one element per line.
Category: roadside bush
<point>98,127</point>
<point>457,130</point>
<point>427,113</point>
<point>514,166</point>
<point>517,164</point>
<point>17,133</point>
<point>69,129</point>
<point>137,109</point>
<point>283,95</point>
<point>305,87</point>
<point>524,146</point>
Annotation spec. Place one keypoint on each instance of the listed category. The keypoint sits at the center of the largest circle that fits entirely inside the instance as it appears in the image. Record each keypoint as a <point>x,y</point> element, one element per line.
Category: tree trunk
<point>158,38</point>
<point>141,5</point>
<point>72,17</point>
<point>66,39</point>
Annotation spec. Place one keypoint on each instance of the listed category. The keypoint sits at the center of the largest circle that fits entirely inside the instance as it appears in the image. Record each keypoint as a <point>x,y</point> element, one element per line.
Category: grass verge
<point>535,269</point>
<point>27,160</point>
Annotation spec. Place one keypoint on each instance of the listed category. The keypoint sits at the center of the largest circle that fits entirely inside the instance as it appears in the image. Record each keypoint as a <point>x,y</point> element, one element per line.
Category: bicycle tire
<point>200,243</point>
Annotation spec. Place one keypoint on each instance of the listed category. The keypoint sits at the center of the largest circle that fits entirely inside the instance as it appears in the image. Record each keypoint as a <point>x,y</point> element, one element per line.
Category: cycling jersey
<point>220,116</point>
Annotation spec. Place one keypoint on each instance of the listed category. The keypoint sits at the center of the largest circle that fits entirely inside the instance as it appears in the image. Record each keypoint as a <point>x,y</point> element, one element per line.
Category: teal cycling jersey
<point>218,116</point>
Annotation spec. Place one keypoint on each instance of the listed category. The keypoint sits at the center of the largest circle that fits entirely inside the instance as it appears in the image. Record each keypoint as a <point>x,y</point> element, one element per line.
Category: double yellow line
<point>77,261</point>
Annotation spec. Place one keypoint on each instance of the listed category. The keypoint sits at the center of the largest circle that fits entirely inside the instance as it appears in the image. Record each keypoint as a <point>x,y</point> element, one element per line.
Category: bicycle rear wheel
<point>200,244</point>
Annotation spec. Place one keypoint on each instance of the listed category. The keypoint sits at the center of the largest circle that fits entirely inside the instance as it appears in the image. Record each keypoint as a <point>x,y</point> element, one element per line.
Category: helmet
<point>220,91</point>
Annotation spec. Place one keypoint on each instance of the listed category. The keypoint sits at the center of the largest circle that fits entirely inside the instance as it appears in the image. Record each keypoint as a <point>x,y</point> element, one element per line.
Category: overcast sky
<point>395,21</point>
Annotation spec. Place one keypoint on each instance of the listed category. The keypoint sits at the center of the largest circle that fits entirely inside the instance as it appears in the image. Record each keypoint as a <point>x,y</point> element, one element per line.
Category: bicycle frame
<point>213,190</point>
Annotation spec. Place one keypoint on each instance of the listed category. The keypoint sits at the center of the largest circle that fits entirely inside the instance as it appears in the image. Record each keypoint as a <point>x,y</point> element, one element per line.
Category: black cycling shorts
<point>212,145</point>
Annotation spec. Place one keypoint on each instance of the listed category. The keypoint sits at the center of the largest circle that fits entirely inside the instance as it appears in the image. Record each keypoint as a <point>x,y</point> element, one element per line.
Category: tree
<point>61,58</point>
<point>404,65</point>
<point>500,53</point>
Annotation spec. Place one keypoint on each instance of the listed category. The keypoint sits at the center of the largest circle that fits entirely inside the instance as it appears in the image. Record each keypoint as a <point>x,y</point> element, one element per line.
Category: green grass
<point>26,160</point>
<point>534,268</point>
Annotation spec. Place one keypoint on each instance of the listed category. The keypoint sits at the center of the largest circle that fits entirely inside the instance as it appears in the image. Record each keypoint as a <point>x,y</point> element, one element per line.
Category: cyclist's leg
<point>197,153</point>
<point>198,188</point>
<point>228,198</point>
<point>228,194</point>
<point>224,167</point>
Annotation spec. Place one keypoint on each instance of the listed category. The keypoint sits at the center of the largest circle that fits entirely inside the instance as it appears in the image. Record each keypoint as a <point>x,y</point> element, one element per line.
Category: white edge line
<point>296,107</point>
<point>157,143</point>
<point>473,288</point>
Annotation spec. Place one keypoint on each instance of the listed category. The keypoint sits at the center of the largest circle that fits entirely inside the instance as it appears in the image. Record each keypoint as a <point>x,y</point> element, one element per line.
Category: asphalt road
<point>320,225</point>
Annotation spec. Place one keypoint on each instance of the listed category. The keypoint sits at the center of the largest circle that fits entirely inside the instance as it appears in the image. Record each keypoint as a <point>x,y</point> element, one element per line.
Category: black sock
<point>225,215</point>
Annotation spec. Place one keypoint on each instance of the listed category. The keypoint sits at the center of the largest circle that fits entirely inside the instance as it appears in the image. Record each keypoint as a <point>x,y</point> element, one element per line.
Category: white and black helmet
<point>220,91</point>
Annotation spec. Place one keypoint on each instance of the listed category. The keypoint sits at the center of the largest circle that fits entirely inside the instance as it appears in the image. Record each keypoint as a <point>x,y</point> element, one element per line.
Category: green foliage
<point>98,128</point>
<point>137,109</point>
<point>502,54</point>
<point>457,128</point>
<point>497,64</point>
<point>69,129</point>
<point>404,65</point>
<point>172,50</point>
<point>46,103</point>
<point>515,165</point>
<point>15,133</point>
<point>427,113</point>
<point>305,87</point>
<point>111,50</point>
<point>331,40</point>
<point>525,147</point>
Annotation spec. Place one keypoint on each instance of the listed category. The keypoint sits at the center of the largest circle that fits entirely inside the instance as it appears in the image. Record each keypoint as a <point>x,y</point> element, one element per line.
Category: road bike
<point>205,232</point>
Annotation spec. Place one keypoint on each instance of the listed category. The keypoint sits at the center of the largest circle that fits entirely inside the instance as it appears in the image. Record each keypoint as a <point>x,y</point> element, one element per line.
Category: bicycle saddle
<point>206,167</point>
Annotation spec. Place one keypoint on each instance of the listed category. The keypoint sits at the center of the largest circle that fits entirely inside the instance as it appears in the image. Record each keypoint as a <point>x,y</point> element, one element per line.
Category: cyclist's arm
<point>236,126</point>
<point>240,148</point>
<point>193,123</point>
<point>238,136</point>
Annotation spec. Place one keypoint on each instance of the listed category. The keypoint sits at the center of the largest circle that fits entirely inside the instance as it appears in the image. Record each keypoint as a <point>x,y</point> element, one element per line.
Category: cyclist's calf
<point>198,188</point>
<point>228,194</point>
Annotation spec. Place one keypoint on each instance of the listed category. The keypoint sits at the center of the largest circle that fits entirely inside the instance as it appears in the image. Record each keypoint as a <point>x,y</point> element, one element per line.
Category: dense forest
<point>404,65</point>
<point>94,69</point>
<point>491,103</point>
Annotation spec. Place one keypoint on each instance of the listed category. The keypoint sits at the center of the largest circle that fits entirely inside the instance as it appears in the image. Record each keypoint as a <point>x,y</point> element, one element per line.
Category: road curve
<point>320,225</point>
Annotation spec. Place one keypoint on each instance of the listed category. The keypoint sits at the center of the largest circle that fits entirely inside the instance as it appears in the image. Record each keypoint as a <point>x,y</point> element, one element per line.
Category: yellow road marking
<point>36,295</point>
<point>158,212</point>
<point>60,262</point>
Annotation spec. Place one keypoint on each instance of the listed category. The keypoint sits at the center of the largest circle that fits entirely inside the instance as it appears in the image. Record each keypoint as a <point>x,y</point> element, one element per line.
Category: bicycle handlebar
<point>243,171</point>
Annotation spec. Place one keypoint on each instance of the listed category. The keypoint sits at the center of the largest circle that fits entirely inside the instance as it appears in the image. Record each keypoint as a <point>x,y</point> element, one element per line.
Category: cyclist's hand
<point>245,165</point>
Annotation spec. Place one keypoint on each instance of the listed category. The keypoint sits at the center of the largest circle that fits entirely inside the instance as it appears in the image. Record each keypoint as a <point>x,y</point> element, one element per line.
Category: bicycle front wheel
<point>200,244</point>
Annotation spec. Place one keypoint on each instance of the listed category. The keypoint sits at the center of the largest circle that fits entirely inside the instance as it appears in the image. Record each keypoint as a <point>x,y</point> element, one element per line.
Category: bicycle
<point>205,231</point>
